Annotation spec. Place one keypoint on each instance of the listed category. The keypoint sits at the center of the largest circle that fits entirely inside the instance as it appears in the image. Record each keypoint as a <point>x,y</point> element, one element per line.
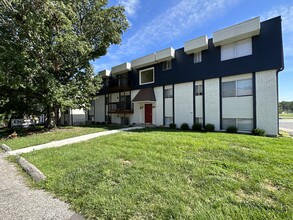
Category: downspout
<point>277,76</point>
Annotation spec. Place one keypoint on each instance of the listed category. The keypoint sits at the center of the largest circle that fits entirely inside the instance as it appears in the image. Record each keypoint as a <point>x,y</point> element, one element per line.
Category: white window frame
<point>141,71</point>
<point>167,65</point>
<point>197,57</point>
<point>235,49</point>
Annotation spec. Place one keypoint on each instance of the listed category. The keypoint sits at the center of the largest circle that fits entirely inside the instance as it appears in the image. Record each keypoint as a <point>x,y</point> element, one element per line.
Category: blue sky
<point>156,25</point>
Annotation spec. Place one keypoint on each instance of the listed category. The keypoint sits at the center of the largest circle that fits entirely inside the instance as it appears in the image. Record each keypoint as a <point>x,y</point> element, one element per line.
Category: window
<point>241,124</point>
<point>168,93</point>
<point>198,90</point>
<point>92,102</point>
<point>237,88</point>
<point>197,57</point>
<point>168,120</point>
<point>237,49</point>
<point>199,120</point>
<point>167,65</point>
<point>227,122</point>
<point>146,76</point>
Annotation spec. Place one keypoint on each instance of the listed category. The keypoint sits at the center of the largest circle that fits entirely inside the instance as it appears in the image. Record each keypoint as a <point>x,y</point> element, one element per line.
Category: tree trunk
<point>51,119</point>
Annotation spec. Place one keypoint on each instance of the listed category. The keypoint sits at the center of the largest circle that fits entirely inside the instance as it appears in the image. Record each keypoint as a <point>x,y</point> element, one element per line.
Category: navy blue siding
<point>267,53</point>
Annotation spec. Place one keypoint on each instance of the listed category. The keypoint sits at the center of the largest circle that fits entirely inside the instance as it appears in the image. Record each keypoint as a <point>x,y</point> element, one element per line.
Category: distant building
<point>228,80</point>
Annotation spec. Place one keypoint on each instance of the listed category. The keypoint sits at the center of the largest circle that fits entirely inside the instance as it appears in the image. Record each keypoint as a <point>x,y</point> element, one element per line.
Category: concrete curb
<point>5,147</point>
<point>34,172</point>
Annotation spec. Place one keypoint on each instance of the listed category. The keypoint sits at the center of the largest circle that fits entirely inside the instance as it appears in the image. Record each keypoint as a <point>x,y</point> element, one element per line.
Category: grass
<point>288,115</point>
<point>27,138</point>
<point>167,174</point>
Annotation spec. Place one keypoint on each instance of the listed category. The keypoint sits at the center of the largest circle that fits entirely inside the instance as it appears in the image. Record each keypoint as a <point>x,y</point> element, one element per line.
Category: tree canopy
<point>45,51</point>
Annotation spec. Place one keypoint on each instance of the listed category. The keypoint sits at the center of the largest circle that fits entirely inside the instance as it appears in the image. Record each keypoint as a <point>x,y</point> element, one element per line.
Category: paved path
<point>18,201</point>
<point>70,141</point>
<point>286,125</point>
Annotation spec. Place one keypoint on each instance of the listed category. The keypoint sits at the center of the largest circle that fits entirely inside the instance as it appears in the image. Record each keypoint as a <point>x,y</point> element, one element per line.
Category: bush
<point>210,127</point>
<point>231,129</point>
<point>258,132</point>
<point>185,127</point>
<point>196,127</point>
<point>172,126</point>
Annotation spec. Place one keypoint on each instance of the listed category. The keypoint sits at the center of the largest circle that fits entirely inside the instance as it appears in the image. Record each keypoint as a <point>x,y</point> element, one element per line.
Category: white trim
<point>151,68</point>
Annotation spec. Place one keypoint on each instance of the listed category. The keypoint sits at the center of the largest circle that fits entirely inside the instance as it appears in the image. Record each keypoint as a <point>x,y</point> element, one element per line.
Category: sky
<point>159,24</point>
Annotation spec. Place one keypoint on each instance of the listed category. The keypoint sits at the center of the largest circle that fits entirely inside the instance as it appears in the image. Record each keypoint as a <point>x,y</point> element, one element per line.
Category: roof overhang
<point>105,73</point>
<point>145,95</point>
<point>237,32</point>
<point>166,54</point>
<point>144,61</point>
<point>196,45</point>
<point>122,68</point>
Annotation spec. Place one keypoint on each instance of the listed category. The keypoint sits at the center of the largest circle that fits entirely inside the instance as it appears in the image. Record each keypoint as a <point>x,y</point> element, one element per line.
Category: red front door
<point>148,113</point>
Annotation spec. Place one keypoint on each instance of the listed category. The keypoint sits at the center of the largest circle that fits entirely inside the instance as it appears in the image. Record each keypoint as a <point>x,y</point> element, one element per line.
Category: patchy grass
<point>28,137</point>
<point>167,174</point>
<point>288,116</point>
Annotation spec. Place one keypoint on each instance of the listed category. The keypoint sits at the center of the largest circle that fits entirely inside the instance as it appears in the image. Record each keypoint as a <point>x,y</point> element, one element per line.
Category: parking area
<point>286,125</point>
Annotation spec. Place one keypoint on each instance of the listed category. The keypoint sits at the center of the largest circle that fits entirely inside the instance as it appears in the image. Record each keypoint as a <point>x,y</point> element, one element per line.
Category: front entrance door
<point>148,113</point>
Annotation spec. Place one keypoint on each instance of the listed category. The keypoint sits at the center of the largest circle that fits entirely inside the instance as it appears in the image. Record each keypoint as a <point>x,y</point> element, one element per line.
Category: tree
<point>45,52</point>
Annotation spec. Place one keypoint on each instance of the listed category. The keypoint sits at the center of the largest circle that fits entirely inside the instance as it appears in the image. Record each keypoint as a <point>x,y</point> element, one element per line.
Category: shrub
<point>196,127</point>
<point>231,129</point>
<point>185,127</point>
<point>103,123</point>
<point>210,127</point>
<point>258,132</point>
<point>172,126</point>
<point>97,123</point>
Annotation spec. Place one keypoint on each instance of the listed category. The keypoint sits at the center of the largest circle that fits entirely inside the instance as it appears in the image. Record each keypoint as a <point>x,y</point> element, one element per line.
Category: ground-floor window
<point>168,120</point>
<point>242,124</point>
<point>199,120</point>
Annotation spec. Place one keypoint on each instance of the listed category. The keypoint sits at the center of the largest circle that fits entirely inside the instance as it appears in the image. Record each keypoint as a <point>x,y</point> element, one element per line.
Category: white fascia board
<point>105,73</point>
<point>237,32</point>
<point>196,45</point>
<point>144,61</point>
<point>122,68</point>
<point>166,54</point>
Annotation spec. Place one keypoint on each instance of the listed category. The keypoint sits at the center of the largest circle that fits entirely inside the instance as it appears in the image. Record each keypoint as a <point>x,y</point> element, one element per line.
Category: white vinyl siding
<point>236,49</point>
<point>146,76</point>
<point>168,120</point>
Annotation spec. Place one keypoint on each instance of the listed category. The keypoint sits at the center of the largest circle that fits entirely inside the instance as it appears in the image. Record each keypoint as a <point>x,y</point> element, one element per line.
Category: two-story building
<point>228,80</point>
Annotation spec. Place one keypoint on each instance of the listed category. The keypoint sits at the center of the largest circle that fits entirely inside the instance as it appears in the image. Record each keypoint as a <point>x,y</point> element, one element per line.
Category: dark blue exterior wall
<point>267,53</point>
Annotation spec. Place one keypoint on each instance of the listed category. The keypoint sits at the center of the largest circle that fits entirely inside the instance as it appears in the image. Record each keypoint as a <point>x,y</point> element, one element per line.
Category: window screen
<point>198,90</point>
<point>227,122</point>
<point>244,87</point>
<point>168,93</point>
<point>229,89</point>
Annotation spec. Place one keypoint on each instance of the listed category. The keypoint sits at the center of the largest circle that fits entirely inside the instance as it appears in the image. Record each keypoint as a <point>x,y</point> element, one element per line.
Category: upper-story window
<point>167,65</point>
<point>236,49</point>
<point>168,93</point>
<point>147,76</point>
<point>197,57</point>
<point>237,88</point>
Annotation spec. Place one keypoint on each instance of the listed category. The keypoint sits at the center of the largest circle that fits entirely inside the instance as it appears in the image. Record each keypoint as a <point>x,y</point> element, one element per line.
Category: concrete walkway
<point>69,141</point>
<point>18,201</point>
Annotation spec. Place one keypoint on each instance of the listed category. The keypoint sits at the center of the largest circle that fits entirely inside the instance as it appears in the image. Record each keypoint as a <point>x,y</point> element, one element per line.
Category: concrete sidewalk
<point>18,201</point>
<point>69,141</point>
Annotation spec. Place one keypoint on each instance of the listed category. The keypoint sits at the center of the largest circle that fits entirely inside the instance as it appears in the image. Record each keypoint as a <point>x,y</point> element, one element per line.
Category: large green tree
<point>45,51</point>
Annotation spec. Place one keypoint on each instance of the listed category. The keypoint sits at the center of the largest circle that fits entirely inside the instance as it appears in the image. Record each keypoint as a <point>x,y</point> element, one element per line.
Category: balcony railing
<point>120,107</point>
<point>119,84</point>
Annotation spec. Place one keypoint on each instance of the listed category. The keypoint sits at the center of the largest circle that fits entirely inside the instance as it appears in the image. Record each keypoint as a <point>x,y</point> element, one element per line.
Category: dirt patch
<point>255,197</point>
<point>269,186</point>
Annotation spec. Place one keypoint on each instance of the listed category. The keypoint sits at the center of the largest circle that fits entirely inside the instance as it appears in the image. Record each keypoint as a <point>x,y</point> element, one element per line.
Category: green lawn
<point>286,115</point>
<point>27,138</point>
<point>164,174</point>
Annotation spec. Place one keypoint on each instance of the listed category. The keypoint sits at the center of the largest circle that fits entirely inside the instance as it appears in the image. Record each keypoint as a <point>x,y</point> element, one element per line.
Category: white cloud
<point>130,6</point>
<point>286,13</point>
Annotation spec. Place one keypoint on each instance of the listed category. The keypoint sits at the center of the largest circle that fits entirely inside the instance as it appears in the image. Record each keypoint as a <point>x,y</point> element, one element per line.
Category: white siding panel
<point>158,110</point>
<point>266,101</point>
<point>212,102</point>
<point>100,108</point>
<point>169,107</point>
<point>183,103</point>
<point>198,106</point>
<point>137,111</point>
<point>237,107</point>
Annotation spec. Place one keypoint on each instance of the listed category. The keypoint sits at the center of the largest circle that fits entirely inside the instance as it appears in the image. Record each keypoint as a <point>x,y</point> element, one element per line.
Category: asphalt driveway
<point>286,125</point>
